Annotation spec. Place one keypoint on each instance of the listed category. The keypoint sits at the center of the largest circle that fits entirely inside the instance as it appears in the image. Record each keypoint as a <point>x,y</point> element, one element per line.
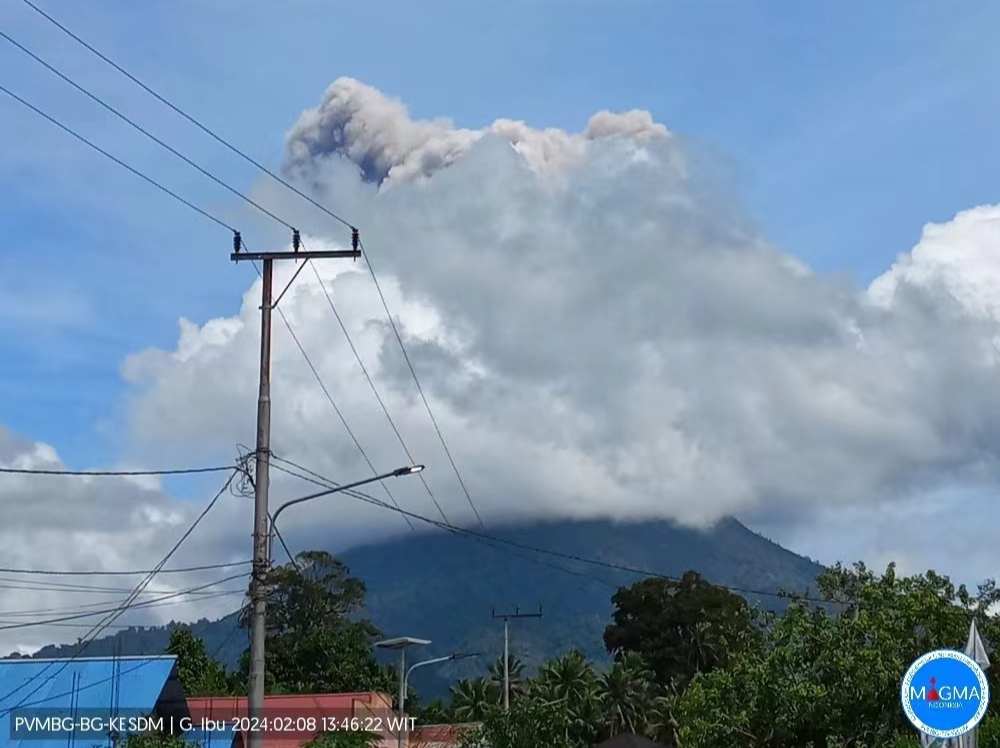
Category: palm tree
<point>706,648</point>
<point>472,698</point>
<point>661,725</point>
<point>626,693</point>
<point>434,713</point>
<point>571,681</point>
<point>515,671</point>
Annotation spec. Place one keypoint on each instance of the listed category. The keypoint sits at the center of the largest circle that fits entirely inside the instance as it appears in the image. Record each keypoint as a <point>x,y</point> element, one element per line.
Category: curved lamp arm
<point>398,472</point>
<point>435,661</point>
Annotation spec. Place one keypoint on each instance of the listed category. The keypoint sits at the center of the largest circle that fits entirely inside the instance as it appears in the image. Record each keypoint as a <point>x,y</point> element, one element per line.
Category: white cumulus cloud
<point>616,342</point>
<point>620,346</point>
<point>88,524</point>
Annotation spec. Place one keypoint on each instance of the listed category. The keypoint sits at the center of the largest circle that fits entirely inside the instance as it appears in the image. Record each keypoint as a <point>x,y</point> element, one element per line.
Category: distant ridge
<point>442,586</point>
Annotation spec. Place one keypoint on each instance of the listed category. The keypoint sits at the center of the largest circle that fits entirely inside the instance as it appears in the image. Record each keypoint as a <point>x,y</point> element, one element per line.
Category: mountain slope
<point>445,587</point>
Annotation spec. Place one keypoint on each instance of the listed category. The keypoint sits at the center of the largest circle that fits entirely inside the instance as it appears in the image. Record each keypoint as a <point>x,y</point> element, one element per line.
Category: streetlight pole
<point>402,644</point>
<point>435,661</point>
<point>255,698</point>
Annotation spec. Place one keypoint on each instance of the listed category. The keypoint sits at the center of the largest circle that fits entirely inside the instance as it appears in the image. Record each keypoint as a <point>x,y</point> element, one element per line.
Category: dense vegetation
<point>692,664</point>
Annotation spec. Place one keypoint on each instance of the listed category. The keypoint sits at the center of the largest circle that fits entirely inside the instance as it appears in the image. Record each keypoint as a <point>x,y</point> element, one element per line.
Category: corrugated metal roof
<point>87,686</point>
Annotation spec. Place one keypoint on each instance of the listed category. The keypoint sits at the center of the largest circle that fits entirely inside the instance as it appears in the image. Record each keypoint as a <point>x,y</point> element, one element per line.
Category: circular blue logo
<point>945,693</point>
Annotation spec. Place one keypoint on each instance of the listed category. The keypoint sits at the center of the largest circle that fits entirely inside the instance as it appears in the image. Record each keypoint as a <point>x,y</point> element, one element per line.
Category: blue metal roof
<point>211,738</point>
<point>82,687</point>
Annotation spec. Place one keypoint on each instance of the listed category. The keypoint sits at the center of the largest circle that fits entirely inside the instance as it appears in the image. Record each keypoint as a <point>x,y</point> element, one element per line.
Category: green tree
<point>315,641</point>
<point>661,719</point>
<point>515,675</point>
<point>435,712</point>
<point>569,684</point>
<point>831,677</point>
<point>200,674</point>
<point>528,724</point>
<point>626,693</point>
<point>345,739</point>
<point>681,628</point>
<point>155,740</point>
<point>472,698</point>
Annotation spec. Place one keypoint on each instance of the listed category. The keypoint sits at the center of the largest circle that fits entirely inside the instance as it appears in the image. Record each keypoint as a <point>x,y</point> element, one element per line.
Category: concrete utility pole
<point>261,531</point>
<point>507,618</point>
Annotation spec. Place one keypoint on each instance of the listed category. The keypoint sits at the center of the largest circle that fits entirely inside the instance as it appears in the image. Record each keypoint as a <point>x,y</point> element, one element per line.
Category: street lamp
<point>435,661</point>
<point>402,644</point>
<point>397,473</point>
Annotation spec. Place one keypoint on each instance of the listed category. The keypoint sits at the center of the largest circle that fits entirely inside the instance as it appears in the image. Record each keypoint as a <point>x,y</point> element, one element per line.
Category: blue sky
<point>844,127</point>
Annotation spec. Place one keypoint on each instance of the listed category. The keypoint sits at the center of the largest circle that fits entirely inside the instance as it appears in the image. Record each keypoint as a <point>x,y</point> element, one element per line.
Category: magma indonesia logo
<point>945,693</point>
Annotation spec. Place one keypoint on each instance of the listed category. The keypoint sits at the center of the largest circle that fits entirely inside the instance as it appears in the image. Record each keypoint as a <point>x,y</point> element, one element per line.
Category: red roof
<point>294,721</point>
<point>439,736</point>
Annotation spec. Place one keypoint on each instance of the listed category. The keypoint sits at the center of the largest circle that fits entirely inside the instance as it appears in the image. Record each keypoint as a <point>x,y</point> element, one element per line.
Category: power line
<point>256,205</point>
<point>114,473</point>
<point>115,614</point>
<point>261,515</point>
<point>302,195</point>
<point>420,389</point>
<point>378,397</point>
<point>194,592</point>
<point>225,642</point>
<point>35,585</point>
<point>333,403</point>
<point>362,496</point>
<point>117,160</point>
<point>144,131</point>
<point>474,591</point>
<point>281,539</point>
<point>187,160</point>
<point>392,322</point>
<point>319,480</point>
<point>276,218</point>
<point>117,608</point>
<point>99,628</point>
<point>49,698</point>
<point>117,573</point>
<point>184,114</point>
<point>273,526</point>
<point>113,626</point>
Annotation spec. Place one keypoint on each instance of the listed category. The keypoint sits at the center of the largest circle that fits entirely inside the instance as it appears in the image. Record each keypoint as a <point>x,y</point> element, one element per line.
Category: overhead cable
<point>155,602</point>
<point>120,573</point>
<point>420,389</point>
<point>354,230</point>
<point>362,496</point>
<point>378,396</point>
<point>184,114</point>
<point>112,615</point>
<point>114,473</point>
<point>319,480</point>
<point>115,159</point>
<point>94,97</point>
